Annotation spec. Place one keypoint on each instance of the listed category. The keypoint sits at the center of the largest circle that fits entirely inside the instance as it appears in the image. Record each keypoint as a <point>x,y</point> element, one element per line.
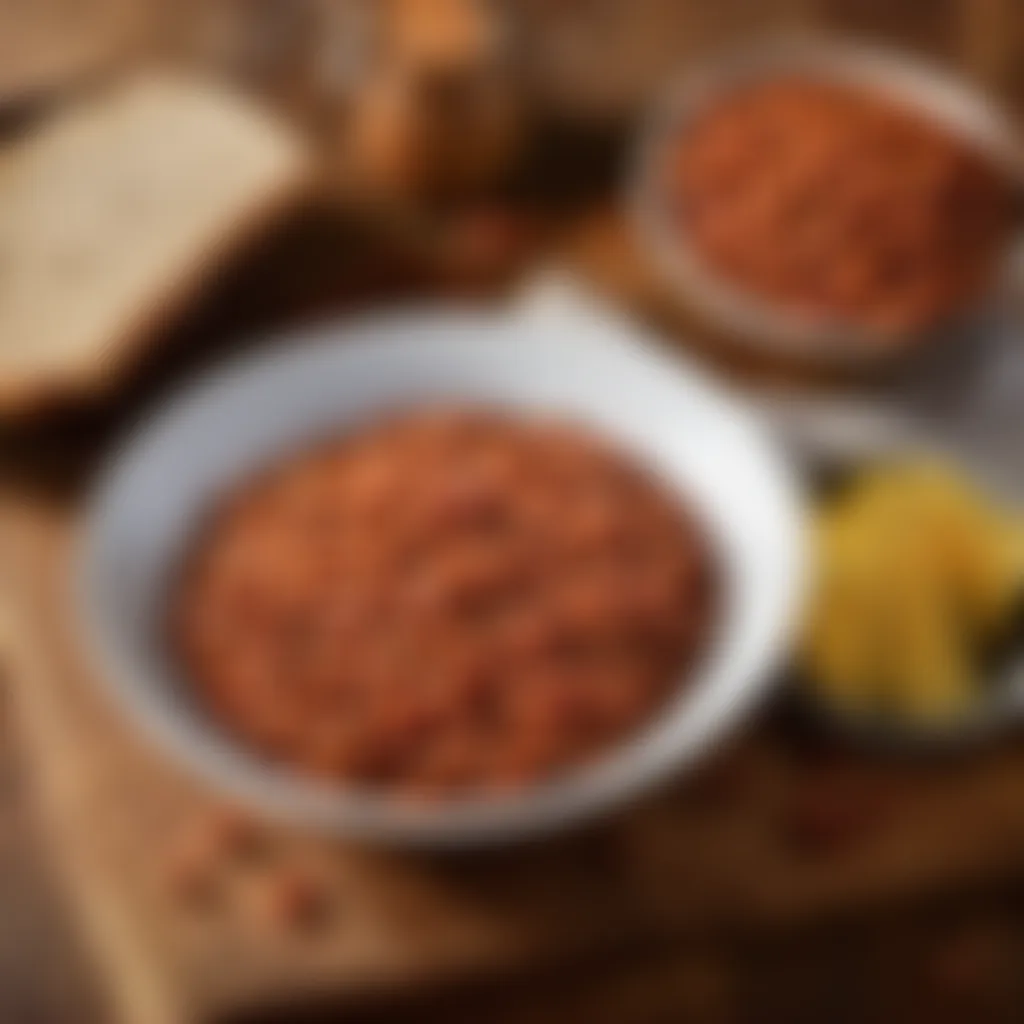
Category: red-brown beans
<point>448,603</point>
<point>839,204</point>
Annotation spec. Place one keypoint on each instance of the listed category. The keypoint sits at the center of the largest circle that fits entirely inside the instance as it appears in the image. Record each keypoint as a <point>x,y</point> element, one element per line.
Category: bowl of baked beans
<point>831,201</point>
<point>442,579</point>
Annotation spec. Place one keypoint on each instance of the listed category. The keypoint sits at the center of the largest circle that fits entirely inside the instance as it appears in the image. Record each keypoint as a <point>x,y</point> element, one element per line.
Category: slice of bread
<point>113,214</point>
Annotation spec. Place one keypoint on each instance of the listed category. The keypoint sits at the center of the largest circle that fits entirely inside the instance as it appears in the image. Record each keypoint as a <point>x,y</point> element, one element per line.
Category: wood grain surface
<point>710,899</point>
<point>750,847</point>
<point>44,975</point>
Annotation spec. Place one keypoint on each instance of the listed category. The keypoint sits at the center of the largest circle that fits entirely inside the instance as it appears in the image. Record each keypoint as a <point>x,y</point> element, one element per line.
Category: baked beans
<point>839,205</point>
<point>454,601</point>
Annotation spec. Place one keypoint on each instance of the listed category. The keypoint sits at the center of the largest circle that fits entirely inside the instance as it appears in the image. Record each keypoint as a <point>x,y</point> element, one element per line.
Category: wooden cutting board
<point>765,839</point>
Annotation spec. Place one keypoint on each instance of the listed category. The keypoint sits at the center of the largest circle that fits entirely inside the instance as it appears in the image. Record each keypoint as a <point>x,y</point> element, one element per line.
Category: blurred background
<point>471,151</point>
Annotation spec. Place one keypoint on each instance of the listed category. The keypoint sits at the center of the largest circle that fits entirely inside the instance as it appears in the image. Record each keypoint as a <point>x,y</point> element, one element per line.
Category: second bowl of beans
<point>832,200</point>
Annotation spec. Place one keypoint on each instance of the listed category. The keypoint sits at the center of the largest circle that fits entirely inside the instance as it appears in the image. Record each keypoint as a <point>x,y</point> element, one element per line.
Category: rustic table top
<point>780,837</point>
<point>926,869</point>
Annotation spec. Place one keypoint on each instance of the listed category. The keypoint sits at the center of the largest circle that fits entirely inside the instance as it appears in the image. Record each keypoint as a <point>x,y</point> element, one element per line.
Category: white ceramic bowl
<point>149,503</point>
<point>964,112</point>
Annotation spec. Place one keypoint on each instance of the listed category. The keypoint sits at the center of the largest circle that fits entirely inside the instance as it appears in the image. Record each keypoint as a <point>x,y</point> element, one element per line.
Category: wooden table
<point>785,868</point>
<point>740,896</point>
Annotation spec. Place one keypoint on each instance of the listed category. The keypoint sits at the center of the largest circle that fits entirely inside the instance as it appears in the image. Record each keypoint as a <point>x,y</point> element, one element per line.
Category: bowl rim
<point>214,757</point>
<point>756,324</point>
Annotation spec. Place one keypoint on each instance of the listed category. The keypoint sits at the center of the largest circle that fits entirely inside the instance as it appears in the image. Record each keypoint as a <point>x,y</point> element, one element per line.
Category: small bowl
<point>840,443</point>
<point>749,320</point>
<point>149,504</point>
